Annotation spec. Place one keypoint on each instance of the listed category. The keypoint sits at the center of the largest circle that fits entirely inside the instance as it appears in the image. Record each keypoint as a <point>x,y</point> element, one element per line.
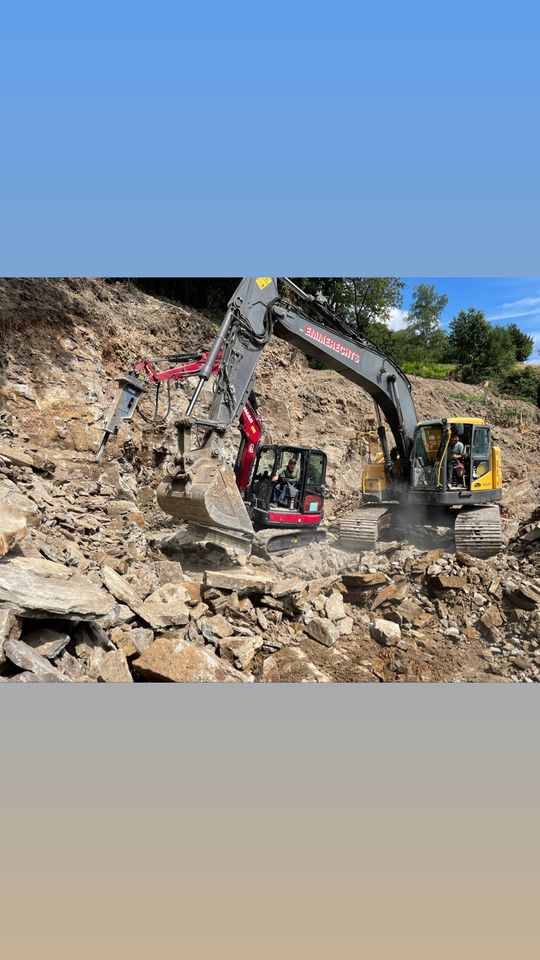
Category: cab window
<point>480,447</point>
<point>265,466</point>
<point>315,469</point>
<point>427,444</point>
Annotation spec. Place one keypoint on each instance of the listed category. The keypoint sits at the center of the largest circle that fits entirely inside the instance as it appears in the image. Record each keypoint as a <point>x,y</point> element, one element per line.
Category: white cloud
<point>397,319</point>
<point>525,302</point>
<point>526,307</point>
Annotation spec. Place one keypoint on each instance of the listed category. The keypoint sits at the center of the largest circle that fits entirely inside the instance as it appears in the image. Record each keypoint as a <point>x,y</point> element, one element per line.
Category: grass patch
<point>466,397</point>
<point>431,371</point>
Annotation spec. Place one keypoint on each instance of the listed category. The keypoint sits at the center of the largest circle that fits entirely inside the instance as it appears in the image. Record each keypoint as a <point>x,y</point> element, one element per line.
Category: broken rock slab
<point>394,592</point>
<point>113,668</point>
<point>165,607</point>
<point>241,583</point>
<point>10,629</point>
<point>72,667</point>
<point>24,657</point>
<point>219,626</point>
<point>26,458</point>
<point>12,528</point>
<point>47,642</point>
<point>409,612</point>
<point>120,588</point>
<point>182,662</point>
<point>524,596</point>
<point>444,581</point>
<point>12,499</point>
<point>241,650</point>
<point>364,581</point>
<point>36,588</point>
<point>141,638</point>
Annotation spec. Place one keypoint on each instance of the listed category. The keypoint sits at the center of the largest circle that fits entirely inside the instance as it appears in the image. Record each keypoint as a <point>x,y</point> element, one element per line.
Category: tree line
<point>472,350</point>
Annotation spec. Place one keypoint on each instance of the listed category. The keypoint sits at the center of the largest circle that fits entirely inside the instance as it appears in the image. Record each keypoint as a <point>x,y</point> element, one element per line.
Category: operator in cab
<point>285,481</point>
<point>455,465</point>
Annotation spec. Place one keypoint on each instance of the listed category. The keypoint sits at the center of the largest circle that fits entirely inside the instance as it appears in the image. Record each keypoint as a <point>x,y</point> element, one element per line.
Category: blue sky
<point>503,300</point>
<point>202,137</point>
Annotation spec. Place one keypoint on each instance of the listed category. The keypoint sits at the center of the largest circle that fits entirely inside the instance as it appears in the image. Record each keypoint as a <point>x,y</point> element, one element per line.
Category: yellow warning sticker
<point>263,282</point>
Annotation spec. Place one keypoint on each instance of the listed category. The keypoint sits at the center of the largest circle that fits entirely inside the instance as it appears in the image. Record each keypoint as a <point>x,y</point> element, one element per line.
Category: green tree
<point>359,301</point>
<point>426,340</point>
<point>522,342</point>
<point>480,350</point>
<point>469,343</point>
<point>523,382</point>
<point>502,351</point>
<point>383,338</point>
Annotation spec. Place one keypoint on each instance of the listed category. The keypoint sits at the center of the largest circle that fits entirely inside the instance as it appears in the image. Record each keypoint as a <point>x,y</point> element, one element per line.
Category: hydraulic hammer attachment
<point>201,489</point>
<point>123,407</point>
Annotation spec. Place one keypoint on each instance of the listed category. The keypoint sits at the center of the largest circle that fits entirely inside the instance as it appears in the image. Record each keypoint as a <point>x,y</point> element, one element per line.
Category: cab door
<point>315,476</point>
<point>481,458</point>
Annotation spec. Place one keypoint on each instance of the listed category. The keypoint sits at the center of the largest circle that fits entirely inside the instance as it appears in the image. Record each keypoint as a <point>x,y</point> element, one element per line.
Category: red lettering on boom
<point>334,345</point>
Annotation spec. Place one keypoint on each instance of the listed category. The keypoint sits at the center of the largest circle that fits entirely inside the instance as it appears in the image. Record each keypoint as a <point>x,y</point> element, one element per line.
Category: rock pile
<point>85,598</point>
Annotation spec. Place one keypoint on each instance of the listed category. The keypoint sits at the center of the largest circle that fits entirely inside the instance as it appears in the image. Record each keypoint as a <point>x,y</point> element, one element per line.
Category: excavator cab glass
<point>262,484</point>
<point>426,454</point>
<point>313,492</point>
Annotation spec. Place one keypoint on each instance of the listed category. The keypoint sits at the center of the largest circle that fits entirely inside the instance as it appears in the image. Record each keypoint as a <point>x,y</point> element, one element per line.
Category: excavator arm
<point>200,487</point>
<point>145,373</point>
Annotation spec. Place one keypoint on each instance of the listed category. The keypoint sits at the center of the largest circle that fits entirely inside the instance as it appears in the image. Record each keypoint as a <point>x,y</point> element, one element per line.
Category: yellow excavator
<point>449,463</point>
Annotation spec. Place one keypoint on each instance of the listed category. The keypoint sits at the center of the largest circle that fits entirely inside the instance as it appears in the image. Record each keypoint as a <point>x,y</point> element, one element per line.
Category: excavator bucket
<point>206,495</point>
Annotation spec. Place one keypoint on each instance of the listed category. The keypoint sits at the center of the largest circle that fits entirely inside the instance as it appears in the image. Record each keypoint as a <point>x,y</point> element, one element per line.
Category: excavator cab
<point>287,487</point>
<point>474,476</point>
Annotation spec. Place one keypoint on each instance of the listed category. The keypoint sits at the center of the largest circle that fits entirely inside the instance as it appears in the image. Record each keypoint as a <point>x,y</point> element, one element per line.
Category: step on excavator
<point>447,464</point>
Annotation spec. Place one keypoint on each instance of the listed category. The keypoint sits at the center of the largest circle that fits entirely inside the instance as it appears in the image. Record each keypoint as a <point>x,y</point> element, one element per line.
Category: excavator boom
<point>200,487</point>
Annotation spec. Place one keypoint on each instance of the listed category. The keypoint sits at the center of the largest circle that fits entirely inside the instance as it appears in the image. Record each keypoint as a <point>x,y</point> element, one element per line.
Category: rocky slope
<point>96,584</point>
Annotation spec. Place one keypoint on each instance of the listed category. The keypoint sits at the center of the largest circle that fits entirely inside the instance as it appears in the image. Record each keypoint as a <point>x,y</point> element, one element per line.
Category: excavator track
<point>271,543</point>
<point>478,531</point>
<point>361,530</point>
